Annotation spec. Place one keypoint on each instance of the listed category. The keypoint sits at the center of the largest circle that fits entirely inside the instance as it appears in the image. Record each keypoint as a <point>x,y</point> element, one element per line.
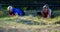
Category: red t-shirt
<point>45,13</point>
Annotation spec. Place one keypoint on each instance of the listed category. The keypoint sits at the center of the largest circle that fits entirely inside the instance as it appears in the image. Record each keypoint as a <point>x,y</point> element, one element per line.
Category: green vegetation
<point>28,22</point>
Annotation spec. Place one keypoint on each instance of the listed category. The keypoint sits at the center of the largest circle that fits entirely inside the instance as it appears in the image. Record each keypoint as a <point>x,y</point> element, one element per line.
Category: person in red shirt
<point>46,11</point>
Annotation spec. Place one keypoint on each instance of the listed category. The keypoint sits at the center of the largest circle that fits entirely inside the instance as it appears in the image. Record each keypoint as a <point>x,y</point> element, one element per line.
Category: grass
<point>36,22</point>
<point>28,22</point>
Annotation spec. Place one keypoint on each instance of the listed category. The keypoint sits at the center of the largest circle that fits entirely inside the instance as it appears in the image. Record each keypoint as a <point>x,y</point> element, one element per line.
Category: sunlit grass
<point>13,20</point>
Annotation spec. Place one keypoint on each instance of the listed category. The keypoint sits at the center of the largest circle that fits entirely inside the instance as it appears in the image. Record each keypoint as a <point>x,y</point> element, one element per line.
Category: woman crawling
<point>46,11</point>
<point>15,11</point>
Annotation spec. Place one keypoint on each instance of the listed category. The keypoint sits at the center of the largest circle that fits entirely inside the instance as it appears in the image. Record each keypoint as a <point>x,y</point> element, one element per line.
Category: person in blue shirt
<point>15,11</point>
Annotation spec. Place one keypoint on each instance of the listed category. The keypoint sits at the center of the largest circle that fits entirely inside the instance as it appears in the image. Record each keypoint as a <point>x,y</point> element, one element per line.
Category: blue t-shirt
<point>18,11</point>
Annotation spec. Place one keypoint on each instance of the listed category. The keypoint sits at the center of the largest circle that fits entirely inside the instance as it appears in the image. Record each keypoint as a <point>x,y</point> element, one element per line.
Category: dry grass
<point>29,18</point>
<point>12,22</point>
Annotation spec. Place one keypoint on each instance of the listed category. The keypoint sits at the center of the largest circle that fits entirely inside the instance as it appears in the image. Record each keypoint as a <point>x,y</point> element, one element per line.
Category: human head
<point>9,8</point>
<point>46,6</point>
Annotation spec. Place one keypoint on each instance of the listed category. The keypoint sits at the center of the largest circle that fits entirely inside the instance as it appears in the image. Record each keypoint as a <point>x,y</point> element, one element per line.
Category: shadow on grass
<point>2,29</point>
<point>57,22</point>
<point>3,16</point>
<point>55,14</point>
<point>29,22</point>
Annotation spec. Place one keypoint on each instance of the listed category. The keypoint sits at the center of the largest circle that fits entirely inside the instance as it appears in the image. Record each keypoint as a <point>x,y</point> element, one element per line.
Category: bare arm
<point>16,14</point>
<point>49,14</point>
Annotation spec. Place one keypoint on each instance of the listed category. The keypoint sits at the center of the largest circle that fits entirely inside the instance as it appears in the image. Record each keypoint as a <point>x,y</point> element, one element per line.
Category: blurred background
<point>29,6</point>
<point>28,23</point>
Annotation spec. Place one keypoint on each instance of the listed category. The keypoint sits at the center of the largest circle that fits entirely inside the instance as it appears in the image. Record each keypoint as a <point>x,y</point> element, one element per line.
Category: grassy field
<point>30,24</point>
